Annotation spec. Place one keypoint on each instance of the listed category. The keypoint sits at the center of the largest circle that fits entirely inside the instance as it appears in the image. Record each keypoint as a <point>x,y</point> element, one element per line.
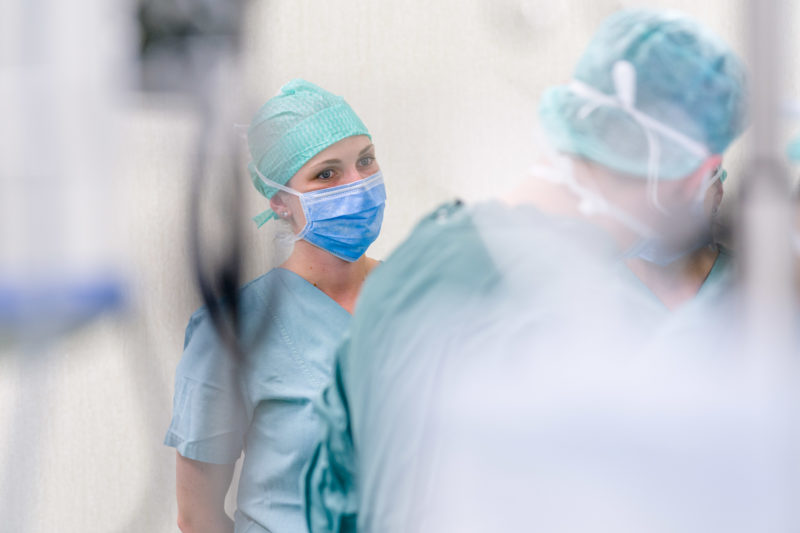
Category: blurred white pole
<point>766,228</point>
<point>767,237</point>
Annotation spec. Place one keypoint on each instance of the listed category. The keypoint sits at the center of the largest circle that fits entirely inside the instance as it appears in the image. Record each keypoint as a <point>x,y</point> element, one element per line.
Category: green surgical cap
<point>686,78</point>
<point>291,128</point>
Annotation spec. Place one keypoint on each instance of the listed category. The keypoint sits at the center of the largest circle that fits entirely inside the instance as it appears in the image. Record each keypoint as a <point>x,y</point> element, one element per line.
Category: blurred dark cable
<point>192,47</point>
<point>219,287</point>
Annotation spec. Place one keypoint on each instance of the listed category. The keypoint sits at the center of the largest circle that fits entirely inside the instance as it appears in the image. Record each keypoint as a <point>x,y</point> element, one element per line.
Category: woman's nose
<point>352,174</point>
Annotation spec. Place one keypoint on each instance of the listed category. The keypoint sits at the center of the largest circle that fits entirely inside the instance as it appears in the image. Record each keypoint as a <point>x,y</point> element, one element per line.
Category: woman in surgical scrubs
<point>314,159</point>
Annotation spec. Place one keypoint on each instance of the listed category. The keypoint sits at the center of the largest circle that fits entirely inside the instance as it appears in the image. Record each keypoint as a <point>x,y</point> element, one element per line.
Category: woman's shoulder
<point>265,282</point>
<point>250,297</point>
<point>257,303</point>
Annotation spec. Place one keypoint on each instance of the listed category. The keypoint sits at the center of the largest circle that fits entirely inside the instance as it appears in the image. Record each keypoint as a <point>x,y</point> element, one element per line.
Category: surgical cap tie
<point>624,77</point>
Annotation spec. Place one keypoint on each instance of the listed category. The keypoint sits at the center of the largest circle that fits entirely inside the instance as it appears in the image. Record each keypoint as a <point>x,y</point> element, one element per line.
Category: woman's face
<point>344,162</point>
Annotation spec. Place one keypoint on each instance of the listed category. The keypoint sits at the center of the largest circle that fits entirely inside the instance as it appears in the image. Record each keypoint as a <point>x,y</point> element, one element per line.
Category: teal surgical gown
<point>505,371</point>
<point>263,405</point>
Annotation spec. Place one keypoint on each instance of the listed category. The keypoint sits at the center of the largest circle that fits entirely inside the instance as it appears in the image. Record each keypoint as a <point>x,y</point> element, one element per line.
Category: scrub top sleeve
<point>328,483</point>
<point>209,419</point>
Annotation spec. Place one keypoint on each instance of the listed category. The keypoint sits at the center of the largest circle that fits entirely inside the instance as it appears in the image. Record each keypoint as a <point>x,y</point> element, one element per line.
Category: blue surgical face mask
<point>343,220</point>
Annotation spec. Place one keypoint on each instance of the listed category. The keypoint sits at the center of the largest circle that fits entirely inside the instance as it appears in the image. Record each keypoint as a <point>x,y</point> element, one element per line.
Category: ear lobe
<point>276,203</point>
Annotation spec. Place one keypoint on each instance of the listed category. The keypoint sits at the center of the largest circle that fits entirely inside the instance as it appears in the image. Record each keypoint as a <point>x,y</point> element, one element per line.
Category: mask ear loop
<point>289,190</point>
<point>275,184</point>
<point>242,131</point>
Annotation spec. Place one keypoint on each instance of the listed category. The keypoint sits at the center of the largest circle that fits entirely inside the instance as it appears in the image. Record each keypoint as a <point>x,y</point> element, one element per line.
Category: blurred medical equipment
<point>193,48</point>
<point>61,79</point>
<point>64,74</point>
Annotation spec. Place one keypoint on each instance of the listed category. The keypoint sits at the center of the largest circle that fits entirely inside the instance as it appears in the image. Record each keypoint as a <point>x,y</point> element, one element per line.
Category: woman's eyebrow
<point>338,161</point>
<point>327,162</point>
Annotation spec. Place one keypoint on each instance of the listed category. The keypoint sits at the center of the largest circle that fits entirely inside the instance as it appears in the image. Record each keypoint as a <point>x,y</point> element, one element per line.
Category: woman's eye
<point>325,174</point>
<point>366,161</point>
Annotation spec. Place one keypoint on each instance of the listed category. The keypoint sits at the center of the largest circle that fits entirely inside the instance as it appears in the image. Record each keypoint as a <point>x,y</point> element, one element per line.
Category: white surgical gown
<point>505,371</point>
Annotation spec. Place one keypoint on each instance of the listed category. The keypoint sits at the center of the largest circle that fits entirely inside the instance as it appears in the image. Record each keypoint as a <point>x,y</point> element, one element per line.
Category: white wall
<point>448,90</point>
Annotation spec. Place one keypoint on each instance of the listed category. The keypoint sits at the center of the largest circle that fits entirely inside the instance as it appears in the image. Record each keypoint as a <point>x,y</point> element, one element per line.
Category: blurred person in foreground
<point>567,360</point>
<point>314,160</point>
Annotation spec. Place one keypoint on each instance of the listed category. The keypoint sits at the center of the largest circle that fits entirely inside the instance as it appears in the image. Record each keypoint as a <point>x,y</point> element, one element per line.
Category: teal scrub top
<point>263,405</point>
<point>483,312</point>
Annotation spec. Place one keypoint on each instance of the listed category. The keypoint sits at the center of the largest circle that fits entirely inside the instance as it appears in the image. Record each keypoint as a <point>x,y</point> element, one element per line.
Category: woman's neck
<point>341,280</point>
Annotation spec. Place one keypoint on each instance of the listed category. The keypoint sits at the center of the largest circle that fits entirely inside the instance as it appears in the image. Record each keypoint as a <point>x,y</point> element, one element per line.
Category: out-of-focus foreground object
<point>62,72</point>
<point>523,373</point>
<point>767,223</point>
<point>63,77</point>
<point>192,48</point>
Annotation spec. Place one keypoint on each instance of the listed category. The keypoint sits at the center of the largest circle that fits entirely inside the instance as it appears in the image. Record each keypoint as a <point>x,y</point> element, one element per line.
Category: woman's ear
<point>278,205</point>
